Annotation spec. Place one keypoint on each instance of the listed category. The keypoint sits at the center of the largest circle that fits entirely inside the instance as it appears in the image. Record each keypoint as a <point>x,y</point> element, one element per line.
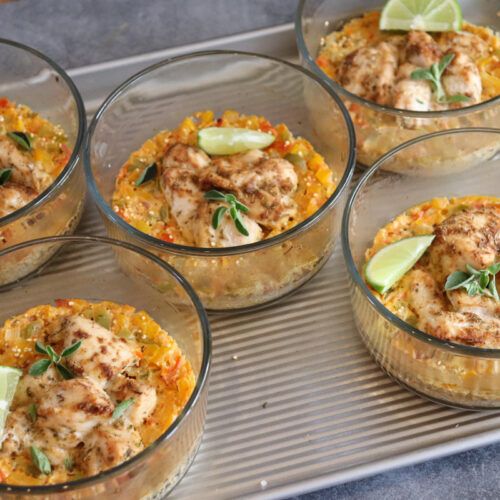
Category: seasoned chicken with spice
<point>421,50</point>
<point>462,77</point>
<point>102,355</point>
<point>23,170</point>
<point>124,387</point>
<point>470,236</point>
<point>265,185</point>
<point>226,235</point>
<point>108,446</point>
<point>73,407</point>
<point>370,72</point>
<point>14,196</point>
<point>17,434</point>
<point>458,326</point>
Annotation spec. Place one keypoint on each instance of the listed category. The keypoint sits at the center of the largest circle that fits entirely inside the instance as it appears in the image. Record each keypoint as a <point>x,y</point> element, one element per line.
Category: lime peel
<point>393,261</point>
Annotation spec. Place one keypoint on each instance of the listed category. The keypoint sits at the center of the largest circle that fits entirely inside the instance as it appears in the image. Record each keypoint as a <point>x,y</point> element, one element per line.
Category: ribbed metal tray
<point>295,401</point>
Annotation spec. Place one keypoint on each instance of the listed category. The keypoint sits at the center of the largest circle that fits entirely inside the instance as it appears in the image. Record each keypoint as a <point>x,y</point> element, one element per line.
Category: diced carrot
<point>62,302</point>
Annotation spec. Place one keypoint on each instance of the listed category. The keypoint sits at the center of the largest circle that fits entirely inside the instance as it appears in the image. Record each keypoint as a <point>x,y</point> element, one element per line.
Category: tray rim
<point>281,35</point>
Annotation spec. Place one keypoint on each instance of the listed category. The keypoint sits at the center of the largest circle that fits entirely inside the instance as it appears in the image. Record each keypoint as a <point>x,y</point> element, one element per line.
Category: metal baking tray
<point>295,402</point>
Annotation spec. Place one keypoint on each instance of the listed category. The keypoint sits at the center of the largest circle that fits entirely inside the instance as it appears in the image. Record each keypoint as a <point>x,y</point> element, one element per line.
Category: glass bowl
<point>381,128</point>
<point>159,98</point>
<point>29,77</point>
<point>98,269</point>
<point>446,372</point>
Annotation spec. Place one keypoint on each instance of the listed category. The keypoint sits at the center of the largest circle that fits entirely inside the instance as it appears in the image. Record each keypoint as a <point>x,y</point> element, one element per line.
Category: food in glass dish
<point>444,286</point>
<point>222,182</point>
<point>97,383</point>
<point>400,78</point>
<point>33,152</point>
<point>416,70</point>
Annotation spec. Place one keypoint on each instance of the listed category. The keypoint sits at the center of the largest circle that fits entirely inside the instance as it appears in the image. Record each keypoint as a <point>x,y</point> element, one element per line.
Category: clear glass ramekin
<point>382,128</point>
<point>97,269</point>
<point>31,78</point>
<point>159,98</point>
<point>446,372</point>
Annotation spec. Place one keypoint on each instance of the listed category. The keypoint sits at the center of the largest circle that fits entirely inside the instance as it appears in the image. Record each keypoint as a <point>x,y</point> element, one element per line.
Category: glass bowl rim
<point>111,215</point>
<point>201,381</point>
<point>72,162</point>
<point>304,52</point>
<point>358,279</point>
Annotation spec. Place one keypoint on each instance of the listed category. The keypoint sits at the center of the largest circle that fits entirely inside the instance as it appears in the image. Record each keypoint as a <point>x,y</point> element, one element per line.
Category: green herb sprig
<point>122,407</point>
<point>42,365</point>
<point>21,139</point>
<point>148,174</point>
<point>40,460</point>
<point>5,174</point>
<point>474,281</point>
<point>235,208</point>
<point>434,74</point>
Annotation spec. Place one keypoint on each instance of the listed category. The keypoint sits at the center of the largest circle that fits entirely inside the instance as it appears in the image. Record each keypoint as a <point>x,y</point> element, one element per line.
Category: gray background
<point>79,32</point>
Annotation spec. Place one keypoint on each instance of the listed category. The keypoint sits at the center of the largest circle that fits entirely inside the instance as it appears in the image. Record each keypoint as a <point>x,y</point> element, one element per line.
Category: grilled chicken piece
<point>24,171</point>
<point>421,49</point>
<point>481,305</point>
<point>468,43</point>
<point>370,72</point>
<point>108,446</point>
<point>226,235</point>
<point>144,396</point>
<point>415,95</point>
<point>265,185</point>
<point>462,77</point>
<point>31,388</point>
<point>101,356</point>
<point>427,300</point>
<point>17,434</point>
<point>14,196</point>
<point>471,236</point>
<point>181,170</point>
<point>72,408</point>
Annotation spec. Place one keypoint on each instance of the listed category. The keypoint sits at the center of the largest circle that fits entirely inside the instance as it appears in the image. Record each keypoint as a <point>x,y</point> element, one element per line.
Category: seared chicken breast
<point>370,72</point>
<point>434,317</point>
<point>471,236</point>
<point>108,446</point>
<point>101,356</point>
<point>265,185</point>
<point>124,387</point>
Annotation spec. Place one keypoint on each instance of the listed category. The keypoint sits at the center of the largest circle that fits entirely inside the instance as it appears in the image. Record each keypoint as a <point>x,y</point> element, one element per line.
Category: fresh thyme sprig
<point>42,365</point>
<point>235,208</point>
<point>434,74</point>
<point>474,281</point>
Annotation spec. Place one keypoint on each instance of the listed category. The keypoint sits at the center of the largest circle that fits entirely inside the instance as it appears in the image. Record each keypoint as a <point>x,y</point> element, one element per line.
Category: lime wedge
<point>424,15</point>
<point>9,377</point>
<point>392,262</point>
<point>229,140</point>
